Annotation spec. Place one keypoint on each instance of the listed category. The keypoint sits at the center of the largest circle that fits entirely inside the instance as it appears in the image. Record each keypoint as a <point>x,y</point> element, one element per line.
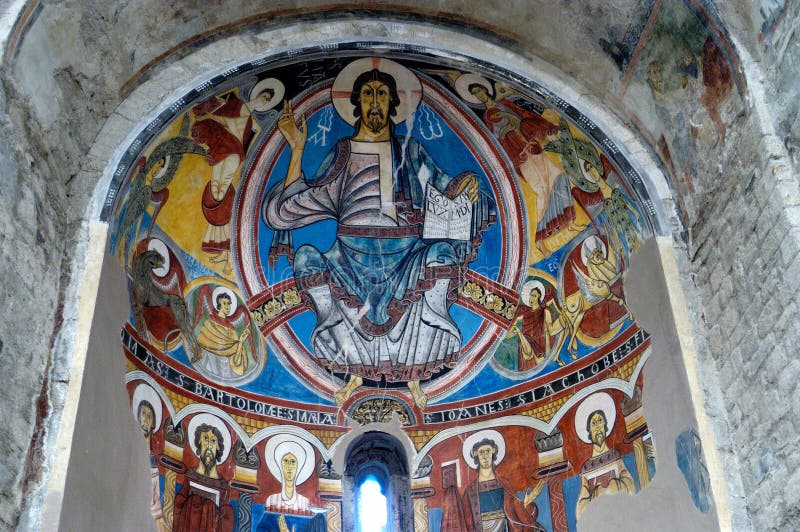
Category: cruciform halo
<point>409,88</point>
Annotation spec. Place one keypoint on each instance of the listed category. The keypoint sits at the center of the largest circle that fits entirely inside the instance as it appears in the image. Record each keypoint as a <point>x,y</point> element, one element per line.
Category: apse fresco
<point>328,239</point>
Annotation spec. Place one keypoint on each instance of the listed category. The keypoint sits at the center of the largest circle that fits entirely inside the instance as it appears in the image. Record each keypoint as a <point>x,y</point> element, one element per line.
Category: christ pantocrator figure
<point>381,293</point>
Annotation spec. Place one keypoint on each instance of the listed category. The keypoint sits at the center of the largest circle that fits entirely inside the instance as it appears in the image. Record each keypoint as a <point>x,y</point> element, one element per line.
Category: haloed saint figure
<point>382,291</point>
<point>202,503</point>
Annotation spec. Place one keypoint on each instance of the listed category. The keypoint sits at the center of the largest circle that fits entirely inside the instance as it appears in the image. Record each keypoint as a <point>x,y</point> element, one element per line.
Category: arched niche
<point>381,455</point>
<point>652,183</point>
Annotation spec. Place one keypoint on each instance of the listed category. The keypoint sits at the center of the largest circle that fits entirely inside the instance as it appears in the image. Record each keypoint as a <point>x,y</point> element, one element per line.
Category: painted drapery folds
<point>333,235</point>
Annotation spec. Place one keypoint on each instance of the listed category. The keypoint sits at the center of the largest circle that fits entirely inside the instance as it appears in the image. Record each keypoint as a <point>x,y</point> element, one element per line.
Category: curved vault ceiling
<point>454,257</point>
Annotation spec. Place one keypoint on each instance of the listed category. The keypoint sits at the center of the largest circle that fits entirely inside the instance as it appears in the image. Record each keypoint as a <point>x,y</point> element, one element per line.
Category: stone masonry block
<point>789,192</point>
<point>714,337</point>
<point>715,278</point>
<point>773,366</point>
<point>792,214</point>
<point>788,252</point>
<point>791,494</point>
<point>791,273</point>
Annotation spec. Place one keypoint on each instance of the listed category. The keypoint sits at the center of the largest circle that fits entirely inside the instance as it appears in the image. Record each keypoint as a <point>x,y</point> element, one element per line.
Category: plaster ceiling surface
<point>339,236</point>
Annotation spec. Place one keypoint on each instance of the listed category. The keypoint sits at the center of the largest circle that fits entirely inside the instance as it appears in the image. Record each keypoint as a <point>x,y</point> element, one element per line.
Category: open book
<point>447,218</point>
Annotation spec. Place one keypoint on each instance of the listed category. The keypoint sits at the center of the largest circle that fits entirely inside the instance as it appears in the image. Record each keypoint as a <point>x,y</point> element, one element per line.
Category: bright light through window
<point>371,506</point>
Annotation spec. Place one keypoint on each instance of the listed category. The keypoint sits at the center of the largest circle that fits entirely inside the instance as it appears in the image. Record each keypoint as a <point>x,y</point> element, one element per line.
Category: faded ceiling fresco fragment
<point>330,238</point>
<point>677,63</point>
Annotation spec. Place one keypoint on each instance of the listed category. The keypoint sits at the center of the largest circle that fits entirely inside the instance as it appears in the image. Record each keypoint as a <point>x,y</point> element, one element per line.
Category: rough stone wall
<point>42,241</point>
<point>745,258</point>
<point>35,272</point>
<point>777,48</point>
<point>744,254</point>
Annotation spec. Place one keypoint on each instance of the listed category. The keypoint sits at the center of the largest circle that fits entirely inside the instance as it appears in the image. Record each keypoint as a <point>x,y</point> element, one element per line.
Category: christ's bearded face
<point>374,99</point>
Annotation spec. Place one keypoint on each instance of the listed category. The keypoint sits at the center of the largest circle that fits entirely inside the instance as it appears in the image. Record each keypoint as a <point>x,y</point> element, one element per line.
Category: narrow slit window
<point>372,506</point>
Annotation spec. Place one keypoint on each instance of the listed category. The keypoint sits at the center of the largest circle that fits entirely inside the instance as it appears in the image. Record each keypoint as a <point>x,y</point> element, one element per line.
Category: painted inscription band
<point>163,369</point>
<point>143,355</point>
<point>633,346</point>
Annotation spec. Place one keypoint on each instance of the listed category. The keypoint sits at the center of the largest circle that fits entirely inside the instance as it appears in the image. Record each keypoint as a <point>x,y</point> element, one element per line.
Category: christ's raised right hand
<point>295,136</point>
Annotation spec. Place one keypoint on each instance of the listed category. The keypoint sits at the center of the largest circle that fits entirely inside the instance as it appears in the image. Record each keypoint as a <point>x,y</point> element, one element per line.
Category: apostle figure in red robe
<point>202,504</point>
<point>489,503</point>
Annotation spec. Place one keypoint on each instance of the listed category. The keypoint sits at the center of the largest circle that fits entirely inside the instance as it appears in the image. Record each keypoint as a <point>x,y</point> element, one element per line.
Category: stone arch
<point>654,183</point>
<point>112,128</point>
<point>379,454</point>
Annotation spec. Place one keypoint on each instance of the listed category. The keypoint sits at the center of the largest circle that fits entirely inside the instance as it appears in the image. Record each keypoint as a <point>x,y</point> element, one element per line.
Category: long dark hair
<point>215,431</point>
<point>374,75</point>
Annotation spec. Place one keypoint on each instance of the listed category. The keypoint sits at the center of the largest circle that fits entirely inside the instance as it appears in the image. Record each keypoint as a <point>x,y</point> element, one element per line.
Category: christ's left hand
<point>470,184</point>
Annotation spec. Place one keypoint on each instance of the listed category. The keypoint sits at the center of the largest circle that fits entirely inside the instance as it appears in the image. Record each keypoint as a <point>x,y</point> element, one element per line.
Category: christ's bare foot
<point>228,267</point>
<point>347,390</point>
<point>419,396</point>
<point>217,258</point>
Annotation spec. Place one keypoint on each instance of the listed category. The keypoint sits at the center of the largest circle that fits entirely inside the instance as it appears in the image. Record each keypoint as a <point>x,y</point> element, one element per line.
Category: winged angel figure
<point>604,268</point>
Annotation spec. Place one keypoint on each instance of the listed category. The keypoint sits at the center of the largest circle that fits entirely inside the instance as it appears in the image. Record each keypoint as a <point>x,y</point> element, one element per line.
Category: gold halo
<point>409,88</point>
<point>465,80</point>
